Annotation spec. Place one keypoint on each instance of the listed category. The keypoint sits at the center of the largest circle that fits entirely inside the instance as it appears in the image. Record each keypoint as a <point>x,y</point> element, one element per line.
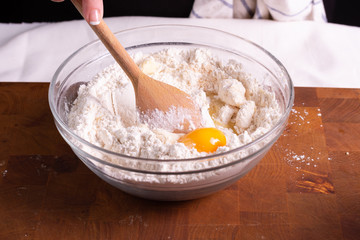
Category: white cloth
<point>315,54</point>
<point>280,10</point>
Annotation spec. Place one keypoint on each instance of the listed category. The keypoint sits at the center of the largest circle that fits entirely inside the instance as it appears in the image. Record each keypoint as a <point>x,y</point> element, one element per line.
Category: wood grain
<point>306,187</point>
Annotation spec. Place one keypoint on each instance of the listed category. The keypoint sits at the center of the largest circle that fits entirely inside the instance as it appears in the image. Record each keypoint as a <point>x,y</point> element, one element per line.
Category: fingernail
<point>94,18</point>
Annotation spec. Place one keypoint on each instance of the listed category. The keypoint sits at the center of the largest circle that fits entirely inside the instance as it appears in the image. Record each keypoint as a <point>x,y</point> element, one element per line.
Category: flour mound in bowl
<point>104,113</point>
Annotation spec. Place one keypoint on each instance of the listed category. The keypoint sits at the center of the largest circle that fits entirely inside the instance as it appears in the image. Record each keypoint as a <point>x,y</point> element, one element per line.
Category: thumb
<point>93,11</point>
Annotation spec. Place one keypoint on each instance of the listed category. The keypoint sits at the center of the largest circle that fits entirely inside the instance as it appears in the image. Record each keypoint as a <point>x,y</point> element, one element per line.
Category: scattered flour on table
<point>231,100</point>
<point>307,156</point>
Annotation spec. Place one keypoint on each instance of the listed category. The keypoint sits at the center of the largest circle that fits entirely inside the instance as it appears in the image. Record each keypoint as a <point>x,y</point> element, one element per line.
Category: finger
<point>93,11</point>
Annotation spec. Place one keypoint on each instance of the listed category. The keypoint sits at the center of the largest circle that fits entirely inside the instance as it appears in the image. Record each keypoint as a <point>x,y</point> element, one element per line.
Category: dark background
<point>16,11</point>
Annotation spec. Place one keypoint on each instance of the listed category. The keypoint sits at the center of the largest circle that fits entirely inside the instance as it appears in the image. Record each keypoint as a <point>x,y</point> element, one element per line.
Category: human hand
<point>93,10</point>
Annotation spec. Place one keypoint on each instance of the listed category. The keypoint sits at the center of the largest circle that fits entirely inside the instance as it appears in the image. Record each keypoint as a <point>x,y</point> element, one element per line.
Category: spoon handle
<point>115,48</point>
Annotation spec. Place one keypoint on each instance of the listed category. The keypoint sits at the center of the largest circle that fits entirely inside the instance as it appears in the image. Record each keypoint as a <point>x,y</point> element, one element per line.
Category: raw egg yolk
<point>204,139</point>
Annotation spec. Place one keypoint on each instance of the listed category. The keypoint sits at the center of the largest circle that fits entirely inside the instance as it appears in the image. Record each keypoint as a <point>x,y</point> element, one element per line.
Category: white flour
<point>104,112</point>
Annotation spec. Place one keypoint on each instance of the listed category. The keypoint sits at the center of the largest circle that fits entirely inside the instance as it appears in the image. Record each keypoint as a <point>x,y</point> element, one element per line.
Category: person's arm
<point>93,10</point>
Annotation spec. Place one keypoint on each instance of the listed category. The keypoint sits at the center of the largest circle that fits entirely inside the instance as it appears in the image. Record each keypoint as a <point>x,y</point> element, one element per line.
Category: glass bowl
<point>171,179</point>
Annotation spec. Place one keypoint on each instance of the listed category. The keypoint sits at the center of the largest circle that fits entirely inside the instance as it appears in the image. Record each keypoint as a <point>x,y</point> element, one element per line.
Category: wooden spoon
<point>151,95</point>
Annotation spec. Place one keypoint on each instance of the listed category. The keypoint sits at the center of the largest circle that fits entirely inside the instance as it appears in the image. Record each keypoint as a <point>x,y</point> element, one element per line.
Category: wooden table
<point>307,186</point>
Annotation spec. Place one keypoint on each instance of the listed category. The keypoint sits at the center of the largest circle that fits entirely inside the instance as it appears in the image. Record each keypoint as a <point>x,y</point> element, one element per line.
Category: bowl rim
<point>278,124</point>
